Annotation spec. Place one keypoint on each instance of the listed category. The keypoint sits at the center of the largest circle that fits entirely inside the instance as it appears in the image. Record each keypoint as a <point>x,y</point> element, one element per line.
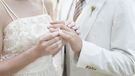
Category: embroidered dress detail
<point>22,34</point>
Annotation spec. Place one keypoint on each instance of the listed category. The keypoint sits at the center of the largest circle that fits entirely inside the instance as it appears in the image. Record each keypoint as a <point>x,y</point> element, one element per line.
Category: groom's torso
<point>95,26</point>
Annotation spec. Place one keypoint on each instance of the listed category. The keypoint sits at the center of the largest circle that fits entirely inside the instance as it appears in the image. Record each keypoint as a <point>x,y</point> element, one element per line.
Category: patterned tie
<point>78,9</point>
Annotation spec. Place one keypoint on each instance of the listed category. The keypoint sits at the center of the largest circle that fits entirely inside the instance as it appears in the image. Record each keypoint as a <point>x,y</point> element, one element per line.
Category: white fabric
<point>108,35</point>
<point>68,12</point>
<point>21,35</point>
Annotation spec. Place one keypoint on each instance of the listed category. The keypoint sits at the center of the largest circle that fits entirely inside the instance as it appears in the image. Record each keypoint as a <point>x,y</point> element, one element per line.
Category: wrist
<point>35,52</point>
<point>79,48</point>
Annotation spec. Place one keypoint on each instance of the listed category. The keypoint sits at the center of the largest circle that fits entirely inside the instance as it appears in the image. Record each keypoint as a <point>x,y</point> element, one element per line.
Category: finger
<point>54,46</point>
<point>78,32</point>
<point>56,26</point>
<point>75,28</point>
<point>58,22</point>
<point>72,24</point>
<point>61,26</point>
<point>49,36</point>
<point>67,23</point>
<point>62,22</point>
<point>50,42</point>
<point>65,35</point>
<point>53,29</point>
<point>57,49</point>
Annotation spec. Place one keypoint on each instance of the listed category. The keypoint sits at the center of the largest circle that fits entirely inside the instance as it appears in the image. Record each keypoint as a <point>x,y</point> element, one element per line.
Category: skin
<point>50,41</point>
<point>70,34</point>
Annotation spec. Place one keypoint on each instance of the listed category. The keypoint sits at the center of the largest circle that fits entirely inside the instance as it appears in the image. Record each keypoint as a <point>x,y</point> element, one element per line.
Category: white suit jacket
<point>108,34</point>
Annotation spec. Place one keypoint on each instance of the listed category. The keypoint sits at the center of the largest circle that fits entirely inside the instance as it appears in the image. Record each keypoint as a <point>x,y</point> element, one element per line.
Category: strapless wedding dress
<point>21,35</point>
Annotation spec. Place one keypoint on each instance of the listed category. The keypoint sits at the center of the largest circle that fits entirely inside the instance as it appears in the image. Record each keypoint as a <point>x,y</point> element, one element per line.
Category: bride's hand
<point>69,35</point>
<point>49,44</point>
<point>69,24</point>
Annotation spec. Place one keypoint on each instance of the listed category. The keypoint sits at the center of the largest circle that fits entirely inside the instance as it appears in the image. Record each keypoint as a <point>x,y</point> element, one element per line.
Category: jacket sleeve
<point>119,59</point>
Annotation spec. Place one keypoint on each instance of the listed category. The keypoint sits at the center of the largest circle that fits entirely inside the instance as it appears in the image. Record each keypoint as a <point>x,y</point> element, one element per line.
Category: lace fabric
<point>22,34</point>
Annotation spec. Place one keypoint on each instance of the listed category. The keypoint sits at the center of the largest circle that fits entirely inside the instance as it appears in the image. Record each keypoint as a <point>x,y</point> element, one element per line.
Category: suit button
<point>93,68</point>
<point>87,67</point>
<point>90,67</point>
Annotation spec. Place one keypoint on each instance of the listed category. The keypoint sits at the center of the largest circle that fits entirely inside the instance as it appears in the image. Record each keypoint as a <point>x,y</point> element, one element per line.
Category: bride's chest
<point>27,24</point>
<point>21,34</point>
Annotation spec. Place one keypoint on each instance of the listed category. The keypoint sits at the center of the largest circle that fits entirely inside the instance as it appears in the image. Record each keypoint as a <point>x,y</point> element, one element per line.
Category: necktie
<point>78,9</point>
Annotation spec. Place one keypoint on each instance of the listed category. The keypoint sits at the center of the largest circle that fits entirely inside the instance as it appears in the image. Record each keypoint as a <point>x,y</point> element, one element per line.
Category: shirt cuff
<point>87,55</point>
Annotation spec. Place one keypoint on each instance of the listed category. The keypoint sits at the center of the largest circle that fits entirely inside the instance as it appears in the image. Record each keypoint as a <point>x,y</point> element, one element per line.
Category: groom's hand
<point>69,35</point>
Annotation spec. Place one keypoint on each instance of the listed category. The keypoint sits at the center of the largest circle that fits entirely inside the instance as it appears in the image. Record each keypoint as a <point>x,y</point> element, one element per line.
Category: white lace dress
<point>22,34</point>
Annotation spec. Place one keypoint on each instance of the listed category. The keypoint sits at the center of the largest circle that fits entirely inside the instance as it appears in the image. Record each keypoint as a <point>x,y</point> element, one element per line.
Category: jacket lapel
<point>66,9</point>
<point>88,16</point>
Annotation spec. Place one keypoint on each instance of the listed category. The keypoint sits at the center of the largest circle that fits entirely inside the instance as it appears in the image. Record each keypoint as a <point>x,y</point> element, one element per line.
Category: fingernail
<point>73,23</point>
